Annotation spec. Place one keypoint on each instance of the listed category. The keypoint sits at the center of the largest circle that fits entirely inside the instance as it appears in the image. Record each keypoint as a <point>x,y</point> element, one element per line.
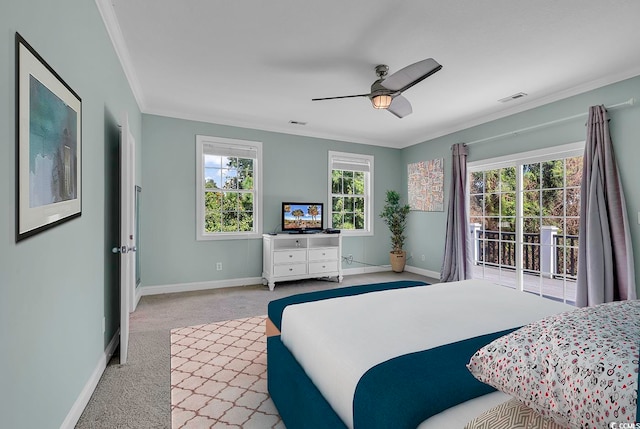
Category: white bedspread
<point>337,340</point>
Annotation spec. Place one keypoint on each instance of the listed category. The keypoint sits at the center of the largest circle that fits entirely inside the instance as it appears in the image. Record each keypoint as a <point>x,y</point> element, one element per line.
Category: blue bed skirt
<point>399,393</point>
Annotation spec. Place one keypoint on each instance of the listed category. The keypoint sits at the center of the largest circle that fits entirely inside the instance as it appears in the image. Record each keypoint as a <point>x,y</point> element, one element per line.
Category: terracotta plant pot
<point>398,261</point>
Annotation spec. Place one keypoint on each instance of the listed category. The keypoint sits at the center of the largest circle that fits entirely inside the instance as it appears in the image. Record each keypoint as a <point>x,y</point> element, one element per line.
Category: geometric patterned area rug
<point>219,376</point>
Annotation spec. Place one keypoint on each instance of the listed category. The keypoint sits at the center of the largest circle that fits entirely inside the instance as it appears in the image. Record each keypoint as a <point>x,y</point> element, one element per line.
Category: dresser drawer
<point>323,267</point>
<point>289,256</point>
<point>289,270</point>
<point>323,254</point>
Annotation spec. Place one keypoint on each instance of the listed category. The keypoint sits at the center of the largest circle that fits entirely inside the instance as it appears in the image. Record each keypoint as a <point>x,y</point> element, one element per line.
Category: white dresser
<point>300,256</point>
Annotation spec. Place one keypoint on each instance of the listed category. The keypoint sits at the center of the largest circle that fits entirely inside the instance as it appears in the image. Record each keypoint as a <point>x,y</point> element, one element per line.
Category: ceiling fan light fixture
<point>381,101</point>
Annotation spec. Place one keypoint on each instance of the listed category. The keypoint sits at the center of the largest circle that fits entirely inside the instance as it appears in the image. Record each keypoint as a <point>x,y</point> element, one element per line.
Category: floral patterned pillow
<point>579,368</point>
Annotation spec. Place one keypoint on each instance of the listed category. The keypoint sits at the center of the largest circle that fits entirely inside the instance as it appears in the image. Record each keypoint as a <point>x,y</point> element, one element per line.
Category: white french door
<point>524,220</point>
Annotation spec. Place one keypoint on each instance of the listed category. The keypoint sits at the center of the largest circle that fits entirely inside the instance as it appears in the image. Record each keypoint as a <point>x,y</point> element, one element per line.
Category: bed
<point>317,378</point>
<point>352,365</point>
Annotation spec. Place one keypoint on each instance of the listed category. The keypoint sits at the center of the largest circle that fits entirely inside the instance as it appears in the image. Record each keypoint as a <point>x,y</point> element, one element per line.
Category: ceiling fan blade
<point>400,106</point>
<point>405,78</point>
<point>342,96</point>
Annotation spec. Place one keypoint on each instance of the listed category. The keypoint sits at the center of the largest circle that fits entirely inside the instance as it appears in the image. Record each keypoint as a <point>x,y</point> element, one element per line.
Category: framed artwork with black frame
<point>48,145</point>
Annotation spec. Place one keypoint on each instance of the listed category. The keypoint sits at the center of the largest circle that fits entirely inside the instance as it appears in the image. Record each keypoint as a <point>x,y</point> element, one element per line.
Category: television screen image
<point>302,217</point>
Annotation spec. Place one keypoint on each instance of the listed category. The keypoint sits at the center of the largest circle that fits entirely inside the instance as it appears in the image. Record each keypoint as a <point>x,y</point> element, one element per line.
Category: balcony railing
<point>547,253</point>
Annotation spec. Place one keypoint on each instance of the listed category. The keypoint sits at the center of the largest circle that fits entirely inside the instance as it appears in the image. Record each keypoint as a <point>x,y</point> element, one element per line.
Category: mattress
<point>337,340</point>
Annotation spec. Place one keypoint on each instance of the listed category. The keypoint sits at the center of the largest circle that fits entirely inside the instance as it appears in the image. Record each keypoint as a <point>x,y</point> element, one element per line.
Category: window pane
<point>492,205</point>
<point>573,202</point>
<point>348,221</point>
<point>531,226</point>
<point>508,224</point>
<point>245,221</point>
<point>531,176</point>
<point>531,203</point>
<point>553,202</point>
<point>572,226</point>
<point>359,220</point>
<point>230,222</point>
<point>213,177</point>
<point>574,171</point>
<point>245,175</point>
<point>358,183</point>
<point>347,182</point>
<point>230,201</point>
<point>476,182</point>
<point>492,180</point>
<point>348,204</point>
<point>336,182</point>
<point>508,204</point>
<point>336,221</point>
<point>492,224</point>
<point>229,178</point>
<point>213,204</point>
<point>337,205</point>
<point>531,257</point>
<point>475,205</point>
<point>508,179</point>
<point>553,174</point>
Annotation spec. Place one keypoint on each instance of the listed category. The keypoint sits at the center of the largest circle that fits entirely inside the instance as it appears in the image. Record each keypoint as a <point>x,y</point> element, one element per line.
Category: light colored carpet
<point>219,376</point>
<point>137,395</point>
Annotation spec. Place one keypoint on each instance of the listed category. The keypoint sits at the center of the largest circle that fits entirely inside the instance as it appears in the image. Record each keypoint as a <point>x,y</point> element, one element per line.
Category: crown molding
<point>108,14</point>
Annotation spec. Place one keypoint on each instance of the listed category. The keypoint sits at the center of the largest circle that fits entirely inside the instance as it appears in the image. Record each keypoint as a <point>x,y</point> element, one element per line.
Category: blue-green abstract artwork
<point>53,147</point>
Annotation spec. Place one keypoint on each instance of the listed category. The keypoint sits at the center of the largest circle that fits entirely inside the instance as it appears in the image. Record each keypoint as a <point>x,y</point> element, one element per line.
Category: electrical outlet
<point>104,325</point>
<point>219,266</point>
<point>422,257</point>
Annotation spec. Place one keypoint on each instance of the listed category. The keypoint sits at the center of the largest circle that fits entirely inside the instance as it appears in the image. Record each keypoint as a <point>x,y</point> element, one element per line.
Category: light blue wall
<point>54,287</point>
<point>295,168</point>
<point>426,230</point>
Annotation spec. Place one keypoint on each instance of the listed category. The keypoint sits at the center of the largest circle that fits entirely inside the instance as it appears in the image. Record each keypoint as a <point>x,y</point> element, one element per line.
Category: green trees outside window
<point>348,199</point>
<point>229,194</point>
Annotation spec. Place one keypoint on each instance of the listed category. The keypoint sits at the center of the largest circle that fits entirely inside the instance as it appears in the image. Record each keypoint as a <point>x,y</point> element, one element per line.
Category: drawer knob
<point>290,269</point>
<point>291,256</point>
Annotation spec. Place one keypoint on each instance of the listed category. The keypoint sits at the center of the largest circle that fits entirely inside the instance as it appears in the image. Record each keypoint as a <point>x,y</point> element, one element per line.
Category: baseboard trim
<point>422,272</point>
<point>366,270</point>
<point>83,399</point>
<point>196,286</point>
<point>136,300</point>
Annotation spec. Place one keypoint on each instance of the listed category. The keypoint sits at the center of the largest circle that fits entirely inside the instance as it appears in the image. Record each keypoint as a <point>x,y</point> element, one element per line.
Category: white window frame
<point>517,160</point>
<point>353,162</point>
<point>228,146</point>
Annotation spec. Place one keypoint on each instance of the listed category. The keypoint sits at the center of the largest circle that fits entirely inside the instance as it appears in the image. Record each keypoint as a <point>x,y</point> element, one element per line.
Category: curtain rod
<point>628,103</point>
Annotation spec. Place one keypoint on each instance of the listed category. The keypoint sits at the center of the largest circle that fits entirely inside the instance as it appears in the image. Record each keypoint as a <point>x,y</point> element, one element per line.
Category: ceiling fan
<point>386,91</point>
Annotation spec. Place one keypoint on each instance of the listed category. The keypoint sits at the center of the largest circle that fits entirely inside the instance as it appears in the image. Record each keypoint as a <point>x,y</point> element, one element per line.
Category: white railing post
<point>473,228</point>
<point>548,250</point>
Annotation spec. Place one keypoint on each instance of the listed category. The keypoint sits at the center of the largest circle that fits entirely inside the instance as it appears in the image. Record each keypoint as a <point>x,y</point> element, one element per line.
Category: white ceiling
<point>258,64</point>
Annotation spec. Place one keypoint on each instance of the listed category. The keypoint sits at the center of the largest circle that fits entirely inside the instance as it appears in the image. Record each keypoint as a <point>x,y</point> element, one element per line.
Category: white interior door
<point>127,233</point>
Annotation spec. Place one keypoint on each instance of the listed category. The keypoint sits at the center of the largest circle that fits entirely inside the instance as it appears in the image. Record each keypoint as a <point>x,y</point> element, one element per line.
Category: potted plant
<point>395,216</point>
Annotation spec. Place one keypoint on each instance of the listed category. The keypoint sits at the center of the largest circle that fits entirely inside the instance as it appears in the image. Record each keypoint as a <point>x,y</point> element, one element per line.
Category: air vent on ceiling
<point>512,97</point>
<point>301,123</point>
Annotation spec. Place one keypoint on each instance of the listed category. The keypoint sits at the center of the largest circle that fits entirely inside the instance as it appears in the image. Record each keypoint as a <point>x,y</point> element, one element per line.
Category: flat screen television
<point>302,217</point>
